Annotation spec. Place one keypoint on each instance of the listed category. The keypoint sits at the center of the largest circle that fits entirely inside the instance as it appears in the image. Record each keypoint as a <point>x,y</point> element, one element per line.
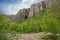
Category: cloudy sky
<point>11,7</point>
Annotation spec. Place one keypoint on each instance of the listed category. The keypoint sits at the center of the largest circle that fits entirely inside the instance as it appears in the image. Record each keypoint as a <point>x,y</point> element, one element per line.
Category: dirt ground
<point>34,36</point>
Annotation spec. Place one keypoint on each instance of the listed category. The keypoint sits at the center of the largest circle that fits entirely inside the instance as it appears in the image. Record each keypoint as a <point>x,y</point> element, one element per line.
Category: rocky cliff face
<point>23,13</point>
<point>35,8</point>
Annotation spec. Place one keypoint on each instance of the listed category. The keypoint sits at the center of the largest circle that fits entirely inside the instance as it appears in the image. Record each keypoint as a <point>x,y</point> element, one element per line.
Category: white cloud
<point>14,8</point>
<point>28,1</point>
<point>25,1</point>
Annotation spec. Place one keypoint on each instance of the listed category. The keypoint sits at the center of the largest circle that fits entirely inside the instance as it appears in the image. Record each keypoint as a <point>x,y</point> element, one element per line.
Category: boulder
<point>23,13</point>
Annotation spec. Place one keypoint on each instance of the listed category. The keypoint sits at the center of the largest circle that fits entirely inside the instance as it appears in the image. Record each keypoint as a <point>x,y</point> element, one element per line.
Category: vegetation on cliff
<point>48,21</point>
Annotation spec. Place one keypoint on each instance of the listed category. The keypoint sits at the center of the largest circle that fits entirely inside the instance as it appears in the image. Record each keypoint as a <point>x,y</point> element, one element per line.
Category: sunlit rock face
<point>23,13</point>
<point>35,8</point>
<point>32,8</point>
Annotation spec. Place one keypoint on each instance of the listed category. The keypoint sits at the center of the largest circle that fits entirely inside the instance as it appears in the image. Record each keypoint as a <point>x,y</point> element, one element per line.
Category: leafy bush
<point>30,26</point>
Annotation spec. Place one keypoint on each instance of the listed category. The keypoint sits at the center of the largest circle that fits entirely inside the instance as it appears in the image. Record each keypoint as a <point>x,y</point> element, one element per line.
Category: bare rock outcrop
<point>35,8</point>
<point>23,13</point>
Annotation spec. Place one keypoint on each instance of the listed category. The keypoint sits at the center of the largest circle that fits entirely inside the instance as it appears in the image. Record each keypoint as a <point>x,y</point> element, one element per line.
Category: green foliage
<point>2,36</point>
<point>3,22</point>
<point>48,21</point>
<point>30,26</point>
<point>51,37</point>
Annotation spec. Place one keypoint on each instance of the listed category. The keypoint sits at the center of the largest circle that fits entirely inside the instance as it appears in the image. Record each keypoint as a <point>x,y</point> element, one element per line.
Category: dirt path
<point>35,36</point>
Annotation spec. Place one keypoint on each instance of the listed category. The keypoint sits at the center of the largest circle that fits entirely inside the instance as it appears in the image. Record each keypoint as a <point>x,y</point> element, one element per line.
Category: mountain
<point>37,7</point>
<point>34,10</point>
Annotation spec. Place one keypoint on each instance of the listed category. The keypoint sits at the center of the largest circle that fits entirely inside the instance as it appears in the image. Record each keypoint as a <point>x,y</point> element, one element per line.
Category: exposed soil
<point>35,36</point>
